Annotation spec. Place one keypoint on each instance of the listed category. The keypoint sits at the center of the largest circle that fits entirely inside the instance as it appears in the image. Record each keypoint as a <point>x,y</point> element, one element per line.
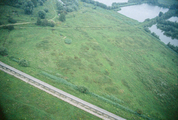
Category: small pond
<point>163,37</point>
<point>142,12</point>
<point>109,2</point>
<point>173,19</point>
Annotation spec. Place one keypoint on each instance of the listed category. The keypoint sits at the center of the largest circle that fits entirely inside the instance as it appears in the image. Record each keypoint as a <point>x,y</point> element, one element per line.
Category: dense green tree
<point>24,63</point>
<point>46,10</point>
<point>175,48</point>
<point>160,14</point>
<point>41,2</point>
<point>11,20</point>
<point>9,2</point>
<point>42,14</point>
<point>38,22</point>
<point>68,9</point>
<point>44,22</point>
<point>35,2</point>
<point>28,7</point>
<point>59,6</point>
<point>3,51</point>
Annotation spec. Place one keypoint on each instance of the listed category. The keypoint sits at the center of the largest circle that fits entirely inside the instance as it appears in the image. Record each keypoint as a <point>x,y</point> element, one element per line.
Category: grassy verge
<point>22,101</point>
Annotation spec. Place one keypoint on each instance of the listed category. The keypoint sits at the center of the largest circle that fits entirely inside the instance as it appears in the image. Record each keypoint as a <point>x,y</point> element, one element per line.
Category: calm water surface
<point>142,12</point>
<point>173,19</point>
<point>163,37</point>
<point>109,2</point>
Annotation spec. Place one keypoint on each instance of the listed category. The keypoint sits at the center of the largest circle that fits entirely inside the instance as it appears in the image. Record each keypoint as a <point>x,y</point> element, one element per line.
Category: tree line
<point>96,3</point>
<point>175,48</point>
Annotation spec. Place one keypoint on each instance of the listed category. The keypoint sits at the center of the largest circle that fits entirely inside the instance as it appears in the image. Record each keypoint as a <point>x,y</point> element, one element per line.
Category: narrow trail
<point>88,107</point>
<point>24,23</point>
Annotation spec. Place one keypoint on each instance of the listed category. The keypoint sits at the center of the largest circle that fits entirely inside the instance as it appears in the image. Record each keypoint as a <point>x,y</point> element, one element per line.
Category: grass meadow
<point>126,70</point>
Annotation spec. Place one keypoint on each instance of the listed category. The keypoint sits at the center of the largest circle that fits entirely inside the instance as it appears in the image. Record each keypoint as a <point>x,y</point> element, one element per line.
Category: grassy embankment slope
<point>22,101</point>
<point>109,55</point>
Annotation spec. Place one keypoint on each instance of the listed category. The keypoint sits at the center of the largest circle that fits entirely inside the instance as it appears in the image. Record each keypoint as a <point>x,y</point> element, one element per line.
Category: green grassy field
<point>109,55</point>
<point>22,101</point>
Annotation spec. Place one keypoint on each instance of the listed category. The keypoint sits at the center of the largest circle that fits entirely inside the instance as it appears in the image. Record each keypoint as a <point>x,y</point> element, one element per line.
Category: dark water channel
<point>142,12</point>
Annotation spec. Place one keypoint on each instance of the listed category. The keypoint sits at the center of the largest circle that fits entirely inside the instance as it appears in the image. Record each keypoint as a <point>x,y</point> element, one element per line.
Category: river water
<point>142,12</point>
<point>109,2</point>
<point>163,37</point>
<point>173,19</point>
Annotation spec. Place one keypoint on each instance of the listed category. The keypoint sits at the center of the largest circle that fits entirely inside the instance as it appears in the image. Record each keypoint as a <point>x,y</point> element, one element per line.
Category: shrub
<point>35,2</point>
<point>154,34</point>
<point>175,48</point>
<point>82,89</point>
<point>51,23</point>
<point>14,59</point>
<point>11,20</point>
<point>44,22</point>
<point>24,63</point>
<point>69,9</point>
<point>41,2</point>
<point>147,30</point>
<point>28,7</point>
<point>3,51</point>
<point>147,20</point>
<point>38,22</point>
<point>139,111</point>
<point>68,41</point>
<point>42,14</point>
<point>62,17</point>
<point>9,27</point>
<point>59,6</point>
<point>160,14</point>
<point>46,10</point>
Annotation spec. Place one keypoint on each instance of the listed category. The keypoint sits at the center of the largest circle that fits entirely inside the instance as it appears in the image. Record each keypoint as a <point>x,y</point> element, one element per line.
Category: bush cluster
<point>14,59</point>
<point>3,51</point>
<point>68,6</point>
<point>9,27</point>
<point>46,10</point>
<point>62,17</point>
<point>35,2</point>
<point>96,3</point>
<point>28,7</point>
<point>41,2</point>
<point>9,2</point>
<point>139,111</point>
<point>68,41</point>
<point>11,20</point>
<point>154,34</point>
<point>44,22</point>
<point>24,63</point>
<point>175,48</point>
<point>170,28</point>
<point>42,14</point>
<point>147,30</point>
<point>82,89</point>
